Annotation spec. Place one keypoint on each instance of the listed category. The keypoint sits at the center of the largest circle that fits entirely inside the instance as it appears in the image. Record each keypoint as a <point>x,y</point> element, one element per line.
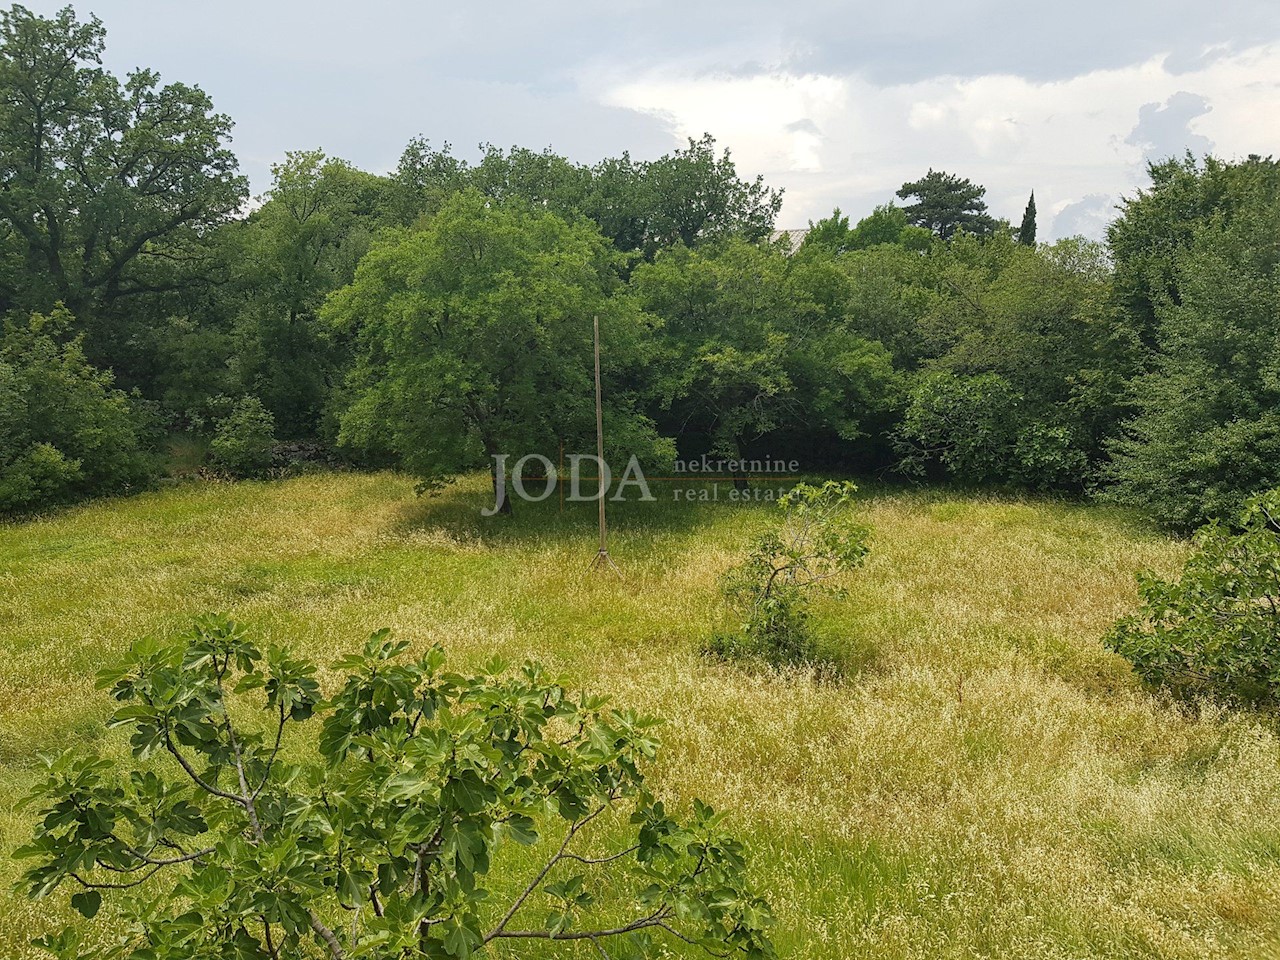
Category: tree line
<point>430,317</point>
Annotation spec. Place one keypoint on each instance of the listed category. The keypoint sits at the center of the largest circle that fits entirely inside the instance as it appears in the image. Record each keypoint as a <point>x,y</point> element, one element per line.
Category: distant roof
<point>793,237</point>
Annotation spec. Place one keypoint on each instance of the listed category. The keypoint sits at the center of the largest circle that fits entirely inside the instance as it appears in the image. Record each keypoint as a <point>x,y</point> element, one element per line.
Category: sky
<point>837,103</point>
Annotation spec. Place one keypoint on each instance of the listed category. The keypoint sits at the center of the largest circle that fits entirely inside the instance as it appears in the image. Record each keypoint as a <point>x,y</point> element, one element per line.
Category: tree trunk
<point>739,475</point>
<point>499,488</point>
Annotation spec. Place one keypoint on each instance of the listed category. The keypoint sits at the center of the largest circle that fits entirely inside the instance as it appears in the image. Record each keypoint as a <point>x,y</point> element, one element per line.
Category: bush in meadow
<point>244,441</point>
<point>818,539</point>
<point>66,433</point>
<point>1216,630</point>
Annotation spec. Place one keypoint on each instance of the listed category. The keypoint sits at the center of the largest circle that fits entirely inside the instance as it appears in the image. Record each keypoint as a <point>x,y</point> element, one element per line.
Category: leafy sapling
<point>1216,630</point>
<point>444,813</point>
<point>244,443</point>
<point>818,540</point>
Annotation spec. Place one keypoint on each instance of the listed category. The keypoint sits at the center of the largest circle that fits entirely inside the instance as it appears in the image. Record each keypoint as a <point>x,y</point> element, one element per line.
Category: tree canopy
<point>107,188</point>
<point>945,203</point>
<point>473,339</point>
<point>440,314</point>
<point>1206,433</point>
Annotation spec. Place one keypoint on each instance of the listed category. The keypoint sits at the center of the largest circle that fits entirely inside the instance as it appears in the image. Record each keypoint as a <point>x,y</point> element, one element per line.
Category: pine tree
<point>1027,232</point>
<point>946,203</point>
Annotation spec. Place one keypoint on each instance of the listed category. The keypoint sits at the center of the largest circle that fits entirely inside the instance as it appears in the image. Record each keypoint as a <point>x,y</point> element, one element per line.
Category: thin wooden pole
<point>604,538</point>
<point>602,555</point>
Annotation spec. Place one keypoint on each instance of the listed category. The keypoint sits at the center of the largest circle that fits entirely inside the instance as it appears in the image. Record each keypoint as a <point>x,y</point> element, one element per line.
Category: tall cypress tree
<point>1027,232</point>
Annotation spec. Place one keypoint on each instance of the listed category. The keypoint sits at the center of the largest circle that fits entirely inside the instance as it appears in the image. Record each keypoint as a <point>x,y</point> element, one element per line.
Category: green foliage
<point>690,196</point>
<point>424,178</point>
<point>1047,456</point>
<point>1214,631</point>
<point>885,295</point>
<point>832,233</point>
<point>65,432</point>
<point>1038,358</point>
<point>759,346</point>
<point>1206,434</point>
<point>723,311</point>
<point>1027,231</point>
<point>196,365</point>
<point>945,204</point>
<point>111,188</point>
<point>1157,225</point>
<point>916,239</point>
<point>696,196</point>
<point>400,841</point>
<point>244,440</point>
<point>887,224</point>
<point>817,540</point>
<point>474,338</point>
<point>459,296</point>
<point>319,220</point>
<point>975,430</point>
<point>966,425</point>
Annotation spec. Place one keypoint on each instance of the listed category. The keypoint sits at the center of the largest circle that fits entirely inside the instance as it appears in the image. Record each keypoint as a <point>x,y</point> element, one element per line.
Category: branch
<point>115,886</point>
<point>593,861</point>
<point>271,947</point>
<point>498,931</point>
<point>246,800</point>
<point>149,861</point>
<point>680,936</point>
<point>208,788</point>
<point>266,773</point>
<point>654,919</point>
<point>325,934</point>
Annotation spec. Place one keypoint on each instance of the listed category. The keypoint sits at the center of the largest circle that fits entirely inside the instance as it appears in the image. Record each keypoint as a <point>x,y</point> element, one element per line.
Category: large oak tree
<point>108,188</point>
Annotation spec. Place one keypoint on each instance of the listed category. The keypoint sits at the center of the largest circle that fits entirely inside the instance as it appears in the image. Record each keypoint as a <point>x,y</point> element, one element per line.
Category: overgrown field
<point>985,781</point>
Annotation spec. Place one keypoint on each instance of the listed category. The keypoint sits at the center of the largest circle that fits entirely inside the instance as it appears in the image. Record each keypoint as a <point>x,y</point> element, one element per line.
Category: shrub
<point>1206,433</point>
<point>40,474</point>
<point>816,542</point>
<point>1216,630</point>
<point>65,432</point>
<point>1047,458</point>
<point>399,840</point>
<point>244,440</point>
<point>963,424</point>
<point>978,430</point>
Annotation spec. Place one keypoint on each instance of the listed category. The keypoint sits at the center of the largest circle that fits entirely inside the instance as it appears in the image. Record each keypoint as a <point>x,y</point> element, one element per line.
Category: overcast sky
<point>838,103</point>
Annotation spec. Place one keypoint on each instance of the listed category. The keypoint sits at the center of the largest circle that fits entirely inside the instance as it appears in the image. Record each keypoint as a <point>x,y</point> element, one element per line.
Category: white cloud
<point>795,110</point>
<point>839,101</point>
<point>842,140</point>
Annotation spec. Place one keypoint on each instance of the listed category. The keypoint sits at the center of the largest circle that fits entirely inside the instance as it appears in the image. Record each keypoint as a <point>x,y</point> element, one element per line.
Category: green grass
<point>986,780</point>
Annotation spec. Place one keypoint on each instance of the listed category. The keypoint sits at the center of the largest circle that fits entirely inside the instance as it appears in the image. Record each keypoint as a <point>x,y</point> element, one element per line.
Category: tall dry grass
<point>985,781</point>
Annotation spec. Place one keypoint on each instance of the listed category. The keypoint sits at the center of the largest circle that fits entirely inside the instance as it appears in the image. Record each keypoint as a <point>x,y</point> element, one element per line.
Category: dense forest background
<point>436,315</point>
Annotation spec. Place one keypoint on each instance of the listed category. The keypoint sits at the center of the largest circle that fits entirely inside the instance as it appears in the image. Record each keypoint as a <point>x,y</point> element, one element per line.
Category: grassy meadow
<point>985,781</point>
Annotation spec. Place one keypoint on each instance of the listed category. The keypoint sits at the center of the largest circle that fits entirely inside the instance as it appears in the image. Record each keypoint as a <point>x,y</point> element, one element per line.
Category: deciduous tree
<point>399,840</point>
<point>1207,430</point>
<point>320,217</point>
<point>107,188</point>
<point>473,338</point>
